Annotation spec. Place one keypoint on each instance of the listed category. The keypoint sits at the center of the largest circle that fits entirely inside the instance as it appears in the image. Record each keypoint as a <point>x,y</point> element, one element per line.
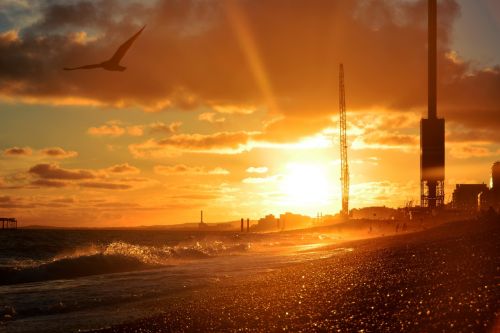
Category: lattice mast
<point>344,165</point>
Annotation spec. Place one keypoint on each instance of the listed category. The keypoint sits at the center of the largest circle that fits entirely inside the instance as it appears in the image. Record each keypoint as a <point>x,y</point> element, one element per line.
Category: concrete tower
<point>432,142</point>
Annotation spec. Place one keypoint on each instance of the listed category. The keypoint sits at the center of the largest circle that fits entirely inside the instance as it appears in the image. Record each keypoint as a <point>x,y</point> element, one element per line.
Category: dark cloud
<point>106,185</point>
<point>242,53</point>
<point>48,183</point>
<point>53,171</point>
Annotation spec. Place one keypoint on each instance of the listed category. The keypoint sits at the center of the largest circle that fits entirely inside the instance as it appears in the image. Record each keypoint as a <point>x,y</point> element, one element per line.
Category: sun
<point>307,185</point>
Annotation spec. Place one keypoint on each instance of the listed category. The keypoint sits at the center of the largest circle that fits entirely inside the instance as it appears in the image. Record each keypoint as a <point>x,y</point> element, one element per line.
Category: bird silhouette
<point>113,64</point>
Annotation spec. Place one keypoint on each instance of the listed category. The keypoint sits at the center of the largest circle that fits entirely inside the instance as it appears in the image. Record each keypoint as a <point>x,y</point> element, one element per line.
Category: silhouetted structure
<point>8,223</point>
<point>202,224</point>
<point>465,196</point>
<point>432,138</point>
<point>344,166</point>
<point>242,225</point>
<point>248,225</point>
<point>374,213</point>
<point>295,221</point>
<point>267,223</point>
<point>490,198</point>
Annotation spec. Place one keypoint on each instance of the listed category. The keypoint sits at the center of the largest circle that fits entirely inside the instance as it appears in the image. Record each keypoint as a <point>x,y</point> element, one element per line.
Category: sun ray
<point>244,35</point>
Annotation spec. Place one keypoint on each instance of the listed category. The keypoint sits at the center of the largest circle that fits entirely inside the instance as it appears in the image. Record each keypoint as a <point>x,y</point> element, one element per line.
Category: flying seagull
<point>113,64</point>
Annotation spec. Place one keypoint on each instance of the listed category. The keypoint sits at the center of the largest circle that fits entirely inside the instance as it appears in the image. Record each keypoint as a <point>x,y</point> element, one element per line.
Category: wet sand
<point>445,279</point>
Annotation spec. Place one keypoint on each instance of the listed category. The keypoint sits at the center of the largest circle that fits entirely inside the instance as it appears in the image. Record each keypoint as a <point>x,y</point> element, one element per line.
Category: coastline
<point>440,279</point>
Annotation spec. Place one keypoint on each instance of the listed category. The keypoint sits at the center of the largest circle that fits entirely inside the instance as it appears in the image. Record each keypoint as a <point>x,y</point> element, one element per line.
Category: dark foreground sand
<point>445,279</point>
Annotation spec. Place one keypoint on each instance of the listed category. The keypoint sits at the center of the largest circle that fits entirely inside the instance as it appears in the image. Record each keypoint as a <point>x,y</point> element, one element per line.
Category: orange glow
<point>307,185</point>
<point>247,42</point>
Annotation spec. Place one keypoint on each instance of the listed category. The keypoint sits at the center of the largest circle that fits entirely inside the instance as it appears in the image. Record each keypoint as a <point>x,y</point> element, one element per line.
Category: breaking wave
<point>115,257</point>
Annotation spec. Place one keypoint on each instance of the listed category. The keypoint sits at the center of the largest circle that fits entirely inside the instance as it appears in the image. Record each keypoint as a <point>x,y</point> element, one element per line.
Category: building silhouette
<point>465,197</point>
<point>489,199</point>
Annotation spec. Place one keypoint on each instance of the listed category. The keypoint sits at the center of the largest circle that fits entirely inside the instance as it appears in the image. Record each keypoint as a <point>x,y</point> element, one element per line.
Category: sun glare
<point>306,185</point>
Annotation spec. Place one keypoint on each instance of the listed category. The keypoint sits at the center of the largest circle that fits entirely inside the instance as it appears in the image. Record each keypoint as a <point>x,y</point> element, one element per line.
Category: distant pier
<point>8,223</point>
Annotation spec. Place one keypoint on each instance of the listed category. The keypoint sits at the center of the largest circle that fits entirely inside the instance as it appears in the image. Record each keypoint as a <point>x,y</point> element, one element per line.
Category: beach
<point>444,279</point>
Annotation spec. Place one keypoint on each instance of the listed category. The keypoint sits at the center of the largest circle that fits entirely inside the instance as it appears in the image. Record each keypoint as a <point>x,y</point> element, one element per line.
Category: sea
<point>60,280</point>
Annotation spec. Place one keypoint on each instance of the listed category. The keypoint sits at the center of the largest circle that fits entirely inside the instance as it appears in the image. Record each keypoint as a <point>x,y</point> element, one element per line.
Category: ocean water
<point>76,280</point>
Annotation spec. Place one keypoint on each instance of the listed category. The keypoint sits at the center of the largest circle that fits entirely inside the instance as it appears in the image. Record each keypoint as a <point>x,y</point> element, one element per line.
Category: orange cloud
<point>48,183</point>
<point>124,168</point>
<point>239,57</point>
<point>57,152</point>
<point>169,170</point>
<point>53,171</point>
<point>17,151</point>
<point>211,117</point>
<point>106,185</point>
<point>112,130</point>
<point>217,143</point>
<point>473,150</point>
<point>115,129</point>
<point>10,36</point>
<point>162,128</point>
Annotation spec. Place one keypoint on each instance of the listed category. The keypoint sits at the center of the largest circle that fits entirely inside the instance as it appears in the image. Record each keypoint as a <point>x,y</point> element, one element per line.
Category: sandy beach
<point>443,279</point>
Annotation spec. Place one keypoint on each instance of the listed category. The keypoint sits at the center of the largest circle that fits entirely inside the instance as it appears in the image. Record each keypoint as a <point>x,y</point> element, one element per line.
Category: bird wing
<point>83,67</point>
<point>115,59</point>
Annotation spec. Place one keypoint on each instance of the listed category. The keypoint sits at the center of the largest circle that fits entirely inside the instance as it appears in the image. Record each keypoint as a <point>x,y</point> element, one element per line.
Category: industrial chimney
<point>432,130</point>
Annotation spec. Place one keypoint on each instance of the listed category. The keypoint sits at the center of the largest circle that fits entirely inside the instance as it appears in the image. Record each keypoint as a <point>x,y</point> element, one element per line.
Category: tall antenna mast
<point>344,166</point>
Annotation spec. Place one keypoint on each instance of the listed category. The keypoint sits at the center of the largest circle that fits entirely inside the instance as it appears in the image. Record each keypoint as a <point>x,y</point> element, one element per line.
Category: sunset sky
<point>232,106</point>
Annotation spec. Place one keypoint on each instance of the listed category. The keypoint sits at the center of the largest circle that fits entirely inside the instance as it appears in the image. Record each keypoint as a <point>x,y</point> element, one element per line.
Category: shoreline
<point>442,278</point>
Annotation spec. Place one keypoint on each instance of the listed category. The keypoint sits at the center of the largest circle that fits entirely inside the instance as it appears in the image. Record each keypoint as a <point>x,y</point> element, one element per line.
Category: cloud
<point>293,128</point>
<point>16,151</point>
<point>468,150</point>
<point>261,180</point>
<point>197,54</point>
<point>124,168</point>
<point>181,169</point>
<point>57,152</point>
<point>53,171</point>
<point>48,183</point>
<point>52,152</point>
<point>257,170</point>
<point>135,130</point>
<point>378,193</point>
<point>106,185</point>
<point>10,36</point>
<point>216,143</point>
<point>211,117</point>
<point>381,139</point>
<point>234,109</point>
<point>114,129</point>
<point>162,128</point>
<point>209,142</point>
